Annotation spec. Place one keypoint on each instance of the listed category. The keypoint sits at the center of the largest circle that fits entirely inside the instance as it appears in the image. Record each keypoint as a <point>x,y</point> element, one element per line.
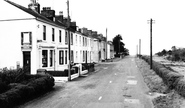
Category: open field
<point>176,66</point>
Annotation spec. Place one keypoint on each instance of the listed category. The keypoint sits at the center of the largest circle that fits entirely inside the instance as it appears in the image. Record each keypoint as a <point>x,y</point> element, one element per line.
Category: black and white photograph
<point>92,54</point>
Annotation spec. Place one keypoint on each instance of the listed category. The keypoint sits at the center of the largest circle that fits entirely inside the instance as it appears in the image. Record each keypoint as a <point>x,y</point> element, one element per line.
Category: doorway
<point>27,61</point>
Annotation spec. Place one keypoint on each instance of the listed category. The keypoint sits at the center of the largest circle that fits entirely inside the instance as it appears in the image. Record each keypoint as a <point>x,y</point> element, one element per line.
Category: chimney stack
<point>34,6</point>
<point>48,13</point>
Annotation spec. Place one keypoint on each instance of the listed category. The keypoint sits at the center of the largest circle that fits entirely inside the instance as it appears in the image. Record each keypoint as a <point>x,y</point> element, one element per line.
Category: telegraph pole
<point>151,22</point>
<point>69,42</point>
<point>139,48</point>
<point>106,46</point>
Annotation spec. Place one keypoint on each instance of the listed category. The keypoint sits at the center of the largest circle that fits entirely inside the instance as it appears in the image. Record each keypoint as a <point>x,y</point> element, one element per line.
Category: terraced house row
<point>39,39</point>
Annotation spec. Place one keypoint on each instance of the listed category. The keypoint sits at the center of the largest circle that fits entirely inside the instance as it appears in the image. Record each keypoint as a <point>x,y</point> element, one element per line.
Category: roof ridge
<point>31,12</point>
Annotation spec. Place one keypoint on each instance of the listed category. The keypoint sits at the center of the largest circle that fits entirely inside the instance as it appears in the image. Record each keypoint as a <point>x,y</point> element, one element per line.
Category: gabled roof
<point>31,12</point>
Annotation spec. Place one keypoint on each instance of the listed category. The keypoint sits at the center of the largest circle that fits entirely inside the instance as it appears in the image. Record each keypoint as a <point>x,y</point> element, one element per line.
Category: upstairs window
<point>66,39</point>
<point>79,40</point>
<point>83,41</point>
<point>76,40</point>
<point>53,34</point>
<point>44,32</point>
<point>72,56</point>
<point>60,36</point>
<point>71,38</point>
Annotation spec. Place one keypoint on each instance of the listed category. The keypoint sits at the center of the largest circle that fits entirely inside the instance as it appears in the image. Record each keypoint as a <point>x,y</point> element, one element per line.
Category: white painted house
<point>27,38</point>
<point>39,39</point>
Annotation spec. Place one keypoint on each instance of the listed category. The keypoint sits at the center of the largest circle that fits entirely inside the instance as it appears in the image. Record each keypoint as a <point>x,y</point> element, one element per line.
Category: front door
<point>27,61</point>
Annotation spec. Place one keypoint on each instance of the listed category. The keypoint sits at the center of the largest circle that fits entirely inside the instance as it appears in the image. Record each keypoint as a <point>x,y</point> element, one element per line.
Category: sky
<point>130,18</point>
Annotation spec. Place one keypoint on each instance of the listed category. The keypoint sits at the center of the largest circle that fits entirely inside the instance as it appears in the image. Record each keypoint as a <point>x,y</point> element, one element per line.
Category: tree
<point>174,48</point>
<point>164,52</point>
<point>117,43</point>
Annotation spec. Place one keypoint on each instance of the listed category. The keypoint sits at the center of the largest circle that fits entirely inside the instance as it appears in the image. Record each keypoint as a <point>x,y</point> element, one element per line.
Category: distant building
<point>110,50</point>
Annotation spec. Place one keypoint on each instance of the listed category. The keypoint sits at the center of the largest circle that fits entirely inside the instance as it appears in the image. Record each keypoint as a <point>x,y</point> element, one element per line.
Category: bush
<point>20,93</point>
<point>3,87</point>
<point>180,87</point>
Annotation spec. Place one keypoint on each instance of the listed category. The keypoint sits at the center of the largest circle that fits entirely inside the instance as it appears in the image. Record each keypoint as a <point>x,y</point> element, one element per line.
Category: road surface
<point>113,85</point>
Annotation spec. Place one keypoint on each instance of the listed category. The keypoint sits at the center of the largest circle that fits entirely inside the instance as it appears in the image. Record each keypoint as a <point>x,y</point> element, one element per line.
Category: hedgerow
<point>16,89</point>
<point>172,79</point>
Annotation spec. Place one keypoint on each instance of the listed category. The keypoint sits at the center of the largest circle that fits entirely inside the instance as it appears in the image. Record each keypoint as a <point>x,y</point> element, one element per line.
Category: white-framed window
<point>60,36</point>
<point>44,32</point>
<point>83,41</point>
<point>79,40</point>
<point>72,56</point>
<point>53,34</point>
<point>76,39</point>
<point>44,58</point>
<point>65,56</point>
<point>61,57</point>
<point>71,38</point>
<point>66,37</point>
<point>51,58</point>
<point>84,56</point>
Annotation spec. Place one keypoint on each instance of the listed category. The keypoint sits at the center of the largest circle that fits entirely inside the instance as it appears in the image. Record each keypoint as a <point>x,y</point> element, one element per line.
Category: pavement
<point>117,84</point>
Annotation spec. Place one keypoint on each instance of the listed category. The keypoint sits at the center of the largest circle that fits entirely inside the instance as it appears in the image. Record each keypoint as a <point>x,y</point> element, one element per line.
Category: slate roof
<point>35,14</point>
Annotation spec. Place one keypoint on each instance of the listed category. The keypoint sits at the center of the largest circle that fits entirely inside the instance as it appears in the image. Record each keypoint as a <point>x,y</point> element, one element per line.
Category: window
<point>53,34</point>
<point>44,58</point>
<point>44,32</point>
<point>72,56</point>
<point>51,58</point>
<point>83,41</point>
<point>66,39</point>
<point>79,40</point>
<point>60,36</point>
<point>66,57</point>
<point>83,56</point>
<point>61,57</point>
<point>71,38</point>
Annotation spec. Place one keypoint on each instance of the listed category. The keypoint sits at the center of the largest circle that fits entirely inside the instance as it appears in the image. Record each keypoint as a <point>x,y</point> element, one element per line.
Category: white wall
<point>10,41</point>
<point>108,51</point>
<point>48,44</point>
<point>95,51</point>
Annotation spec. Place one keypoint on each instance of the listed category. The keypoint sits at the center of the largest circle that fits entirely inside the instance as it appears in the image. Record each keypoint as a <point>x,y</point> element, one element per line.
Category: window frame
<point>60,36</point>
<point>66,37</point>
<point>44,32</point>
<point>61,57</point>
<point>53,35</point>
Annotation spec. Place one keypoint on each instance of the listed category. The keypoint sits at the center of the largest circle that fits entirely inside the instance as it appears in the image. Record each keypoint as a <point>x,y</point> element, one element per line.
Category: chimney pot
<point>61,13</point>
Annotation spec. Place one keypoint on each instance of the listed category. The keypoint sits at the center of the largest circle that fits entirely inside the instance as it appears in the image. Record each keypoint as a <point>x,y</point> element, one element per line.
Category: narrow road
<point>114,85</point>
